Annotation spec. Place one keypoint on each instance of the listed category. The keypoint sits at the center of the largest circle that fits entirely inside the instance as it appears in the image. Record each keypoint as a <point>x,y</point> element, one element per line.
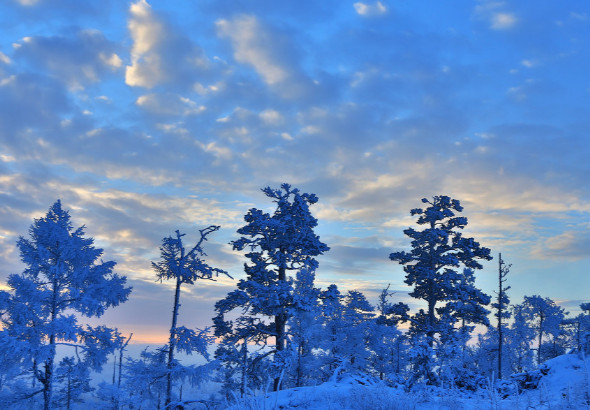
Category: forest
<point>277,332</point>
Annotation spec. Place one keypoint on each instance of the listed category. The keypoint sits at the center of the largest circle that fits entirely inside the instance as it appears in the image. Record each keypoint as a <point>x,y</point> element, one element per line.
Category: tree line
<point>276,329</point>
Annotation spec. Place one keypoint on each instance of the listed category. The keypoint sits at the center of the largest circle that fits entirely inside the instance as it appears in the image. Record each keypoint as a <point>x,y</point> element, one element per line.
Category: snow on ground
<point>565,386</point>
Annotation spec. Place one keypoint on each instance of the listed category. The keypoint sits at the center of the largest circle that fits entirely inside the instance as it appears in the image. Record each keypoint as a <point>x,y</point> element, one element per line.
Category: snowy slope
<point>565,386</point>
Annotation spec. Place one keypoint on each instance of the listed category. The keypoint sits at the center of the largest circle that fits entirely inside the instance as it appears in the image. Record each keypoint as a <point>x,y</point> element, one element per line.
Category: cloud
<point>28,3</point>
<point>503,21</point>
<point>495,14</point>
<point>570,245</point>
<point>79,59</point>
<point>170,105</point>
<point>269,52</point>
<point>160,53</point>
<point>369,10</point>
<point>4,58</point>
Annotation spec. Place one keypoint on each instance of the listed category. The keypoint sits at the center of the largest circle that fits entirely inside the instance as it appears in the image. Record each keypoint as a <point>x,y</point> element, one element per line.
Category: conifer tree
<point>501,306</point>
<point>276,245</point>
<point>63,275</point>
<point>431,267</point>
<point>543,315</point>
<point>185,267</point>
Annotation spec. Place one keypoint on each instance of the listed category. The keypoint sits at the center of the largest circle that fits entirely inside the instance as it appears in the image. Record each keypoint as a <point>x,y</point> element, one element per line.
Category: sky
<point>148,117</point>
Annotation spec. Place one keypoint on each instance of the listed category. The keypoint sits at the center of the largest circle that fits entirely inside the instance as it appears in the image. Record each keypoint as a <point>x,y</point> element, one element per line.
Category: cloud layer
<point>144,119</point>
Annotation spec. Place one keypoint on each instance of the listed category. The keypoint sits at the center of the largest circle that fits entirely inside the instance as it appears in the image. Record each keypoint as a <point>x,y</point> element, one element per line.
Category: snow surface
<point>565,386</point>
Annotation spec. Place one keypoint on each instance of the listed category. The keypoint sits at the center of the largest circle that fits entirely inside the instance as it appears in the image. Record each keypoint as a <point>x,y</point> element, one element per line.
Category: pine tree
<point>519,340</point>
<point>501,306</point>
<point>64,275</point>
<point>386,339</point>
<point>185,267</point>
<point>543,315</point>
<point>277,244</point>
<point>305,326</point>
<point>431,268</point>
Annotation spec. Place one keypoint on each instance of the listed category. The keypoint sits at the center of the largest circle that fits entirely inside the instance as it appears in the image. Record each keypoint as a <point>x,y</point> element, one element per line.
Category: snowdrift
<point>563,384</point>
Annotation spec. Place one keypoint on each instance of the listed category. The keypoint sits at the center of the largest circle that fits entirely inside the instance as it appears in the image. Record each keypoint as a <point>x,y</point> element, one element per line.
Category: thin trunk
<point>69,391</point>
<point>430,319</point>
<point>114,369</point>
<point>174,322</point>
<point>172,342</point>
<point>121,358</point>
<point>299,365</point>
<point>243,382</point>
<point>280,323</point>
<point>500,301</point>
<point>48,378</point>
<point>541,318</point>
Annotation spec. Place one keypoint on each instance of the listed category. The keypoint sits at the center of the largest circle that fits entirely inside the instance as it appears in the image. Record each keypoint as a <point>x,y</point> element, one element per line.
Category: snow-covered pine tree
<point>277,244</point>
<point>305,327</point>
<point>64,275</point>
<point>334,325</point>
<point>579,328</point>
<point>501,306</point>
<point>431,266</point>
<point>74,380</point>
<point>519,339</point>
<point>359,322</point>
<point>185,267</point>
<point>386,343</point>
<point>543,315</point>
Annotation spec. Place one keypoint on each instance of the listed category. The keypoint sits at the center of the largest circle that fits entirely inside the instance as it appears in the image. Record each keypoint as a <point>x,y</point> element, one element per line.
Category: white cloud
<point>4,58</point>
<point>271,117</point>
<point>146,32</point>
<point>160,54</point>
<point>503,21</point>
<point>368,10</point>
<point>113,60</point>
<point>253,46</point>
<point>28,2</point>
<point>570,245</point>
<point>76,60</point>
<point>169,104</point>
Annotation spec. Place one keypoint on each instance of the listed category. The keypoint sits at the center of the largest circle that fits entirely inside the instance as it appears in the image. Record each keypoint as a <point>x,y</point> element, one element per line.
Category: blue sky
<point>147,117</point>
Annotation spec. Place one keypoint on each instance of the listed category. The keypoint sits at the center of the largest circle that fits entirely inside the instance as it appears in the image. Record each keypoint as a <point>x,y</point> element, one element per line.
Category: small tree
<point>520,337</point>
<point>386,343</point>
<point>63,276</point>
<point>431,268</point>
<point>543,315</point>
<point>501,306</point>
<point>305,327</point>
<point>75,381</point>
<point>278,244</point>
<point>184,267</point>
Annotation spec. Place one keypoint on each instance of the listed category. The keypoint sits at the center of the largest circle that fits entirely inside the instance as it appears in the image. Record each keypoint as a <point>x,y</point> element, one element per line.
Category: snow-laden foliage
<point>545,317</point>
<point>183,266</point>
<point>277,330</point>
<point>276,245</point>
<point>64,275</point>
<point>432,268</point>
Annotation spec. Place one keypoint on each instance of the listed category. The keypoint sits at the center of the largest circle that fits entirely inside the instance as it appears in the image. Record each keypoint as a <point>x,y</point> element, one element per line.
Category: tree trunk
<point>541,318</point>
<point>172,342</point>
<point>500,301</point>
<point>48,378</point>
<point>280,324</point>
<point>243,382</point>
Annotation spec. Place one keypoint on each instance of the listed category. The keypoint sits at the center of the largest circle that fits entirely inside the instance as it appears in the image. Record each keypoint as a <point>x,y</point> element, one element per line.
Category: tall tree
<point>64,275</point>
<point>185,267</point>
<point>277,244</point>
<point>501,306</point>
<point>431,266</point>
